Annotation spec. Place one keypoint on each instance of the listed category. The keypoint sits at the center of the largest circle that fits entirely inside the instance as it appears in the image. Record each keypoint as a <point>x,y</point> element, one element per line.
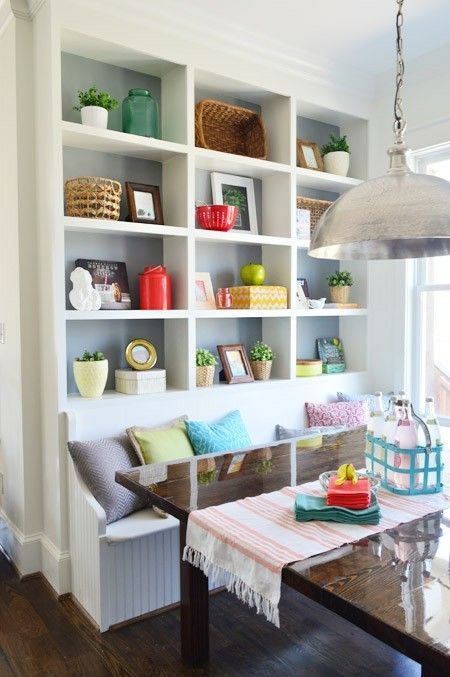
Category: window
<point>431,310</point>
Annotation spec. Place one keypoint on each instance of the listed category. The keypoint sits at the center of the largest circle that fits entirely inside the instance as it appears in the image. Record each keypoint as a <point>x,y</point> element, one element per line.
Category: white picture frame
<point>204,293</point>
<point>247,220</point>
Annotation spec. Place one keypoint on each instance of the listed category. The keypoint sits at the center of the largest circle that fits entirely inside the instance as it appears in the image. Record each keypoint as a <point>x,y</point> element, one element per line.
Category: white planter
<point>95,116</point>
<point>90,377</point>
<point>337,162</point>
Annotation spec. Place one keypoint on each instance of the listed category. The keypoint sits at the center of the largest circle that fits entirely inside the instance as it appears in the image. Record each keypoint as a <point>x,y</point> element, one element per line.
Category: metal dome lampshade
<point>399,215</point>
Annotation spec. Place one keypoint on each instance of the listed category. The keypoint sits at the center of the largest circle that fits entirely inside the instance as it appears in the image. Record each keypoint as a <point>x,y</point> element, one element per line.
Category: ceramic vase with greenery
<point>94,107</point>
<point>340,284</point>
<point>261,358</point>
<point>90,372</point>
<point>206,365</point>
<point>336,155</point>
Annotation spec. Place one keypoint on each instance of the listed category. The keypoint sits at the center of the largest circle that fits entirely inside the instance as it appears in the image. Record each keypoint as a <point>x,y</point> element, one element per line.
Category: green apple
<point>253,274</point>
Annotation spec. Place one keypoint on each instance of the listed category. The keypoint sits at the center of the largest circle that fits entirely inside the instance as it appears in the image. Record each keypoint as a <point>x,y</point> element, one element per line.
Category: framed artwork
<point>303,284</point>
<point>204,294</point>
<point>302,301</point>
<point>232,465</point>
<point>144,203</point>
<point>110,279</point>
<point>308,155</point>
<point>235,363</point>
<point>237,191</point>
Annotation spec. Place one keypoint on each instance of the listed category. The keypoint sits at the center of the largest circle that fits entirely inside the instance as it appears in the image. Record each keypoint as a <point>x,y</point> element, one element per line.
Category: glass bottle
<point>140,114</point>
<point>223,298</point>
<point>406,438</point>
<point>390,422</point>
<point>376,423</point>
<point>432,422</point>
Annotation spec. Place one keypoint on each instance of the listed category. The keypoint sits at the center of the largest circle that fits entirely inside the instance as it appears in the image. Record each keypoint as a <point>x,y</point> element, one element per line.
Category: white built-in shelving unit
<point>182,171</point>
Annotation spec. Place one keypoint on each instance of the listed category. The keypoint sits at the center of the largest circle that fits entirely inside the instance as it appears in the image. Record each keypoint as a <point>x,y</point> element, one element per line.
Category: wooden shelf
<point>74,224</point>
<point>310,178</point>
<point>215,161</point>
<point>75,135</point>
<point>240,237</point>
<point>79,315</point>
<point>332,312</point>
<point>231,314</point>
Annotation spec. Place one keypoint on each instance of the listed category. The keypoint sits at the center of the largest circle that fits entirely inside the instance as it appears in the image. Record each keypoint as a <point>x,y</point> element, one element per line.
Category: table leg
<point>429,672</point>
<point>194,610</point>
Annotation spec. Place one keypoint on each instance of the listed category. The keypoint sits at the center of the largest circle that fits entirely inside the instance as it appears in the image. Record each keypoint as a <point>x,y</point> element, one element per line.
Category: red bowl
<point>217,217</point>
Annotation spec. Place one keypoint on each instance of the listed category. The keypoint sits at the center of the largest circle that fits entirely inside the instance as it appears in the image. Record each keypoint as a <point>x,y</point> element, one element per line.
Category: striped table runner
<point>247,543</point>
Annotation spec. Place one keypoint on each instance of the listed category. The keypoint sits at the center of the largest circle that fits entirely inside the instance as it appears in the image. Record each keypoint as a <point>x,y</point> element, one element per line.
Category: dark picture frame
<point>308,155</point>
<point>136,212</point>
<point>235,363</point>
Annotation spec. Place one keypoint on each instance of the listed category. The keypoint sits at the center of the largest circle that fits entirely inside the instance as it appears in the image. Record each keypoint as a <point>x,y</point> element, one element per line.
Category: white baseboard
<point>32,553</point>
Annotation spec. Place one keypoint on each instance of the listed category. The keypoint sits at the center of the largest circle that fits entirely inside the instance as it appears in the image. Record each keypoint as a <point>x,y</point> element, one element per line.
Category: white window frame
<point>419,286</point>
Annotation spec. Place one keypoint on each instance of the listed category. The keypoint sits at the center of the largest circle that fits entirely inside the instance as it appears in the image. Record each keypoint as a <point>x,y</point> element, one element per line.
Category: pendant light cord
<point>400,122</point>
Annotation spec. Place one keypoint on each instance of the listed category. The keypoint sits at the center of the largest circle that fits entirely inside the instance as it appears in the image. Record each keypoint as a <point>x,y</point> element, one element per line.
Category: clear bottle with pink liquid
<point>406,438</point>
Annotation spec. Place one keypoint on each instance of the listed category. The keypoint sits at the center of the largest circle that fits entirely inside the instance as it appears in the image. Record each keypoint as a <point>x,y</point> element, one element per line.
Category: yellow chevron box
<point>262,296</point>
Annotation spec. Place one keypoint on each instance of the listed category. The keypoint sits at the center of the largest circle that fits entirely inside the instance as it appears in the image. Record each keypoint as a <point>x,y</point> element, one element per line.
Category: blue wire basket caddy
<point>422,474</point>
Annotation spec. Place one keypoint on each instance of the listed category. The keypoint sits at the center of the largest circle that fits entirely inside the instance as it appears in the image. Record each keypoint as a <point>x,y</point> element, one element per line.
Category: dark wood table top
<point>395,584</point>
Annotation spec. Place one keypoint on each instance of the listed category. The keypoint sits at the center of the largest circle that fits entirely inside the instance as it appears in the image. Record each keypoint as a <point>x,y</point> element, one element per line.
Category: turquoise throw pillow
<point>227,434</point>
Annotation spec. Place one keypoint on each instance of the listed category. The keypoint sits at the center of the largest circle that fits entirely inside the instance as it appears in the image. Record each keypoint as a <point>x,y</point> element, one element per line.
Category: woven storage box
<point>263,297</point>
<point>133,382</point>
<point>404,471</point>
<point>205,376</point>
<point>339,294</point>
<point>230,129</point>
<point>315,207</point>
<point>261,369</point>
<point>93,197</point>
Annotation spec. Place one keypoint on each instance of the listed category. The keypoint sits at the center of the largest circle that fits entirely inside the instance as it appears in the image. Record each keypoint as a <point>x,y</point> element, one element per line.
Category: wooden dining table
<point>395,585</point>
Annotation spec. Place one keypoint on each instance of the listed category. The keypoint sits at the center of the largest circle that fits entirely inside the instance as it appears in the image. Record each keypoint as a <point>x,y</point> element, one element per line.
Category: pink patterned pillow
<point>349,414</point>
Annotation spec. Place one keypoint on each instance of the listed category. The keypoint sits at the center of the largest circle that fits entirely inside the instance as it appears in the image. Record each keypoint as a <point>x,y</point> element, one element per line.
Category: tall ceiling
<point>358,34</point>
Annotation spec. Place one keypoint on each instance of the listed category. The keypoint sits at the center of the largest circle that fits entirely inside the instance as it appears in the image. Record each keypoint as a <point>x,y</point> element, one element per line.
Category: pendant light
<point>400,215</point>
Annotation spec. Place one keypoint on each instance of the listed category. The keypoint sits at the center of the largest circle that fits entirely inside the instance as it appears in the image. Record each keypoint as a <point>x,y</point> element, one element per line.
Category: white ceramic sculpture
<point>83,295</point>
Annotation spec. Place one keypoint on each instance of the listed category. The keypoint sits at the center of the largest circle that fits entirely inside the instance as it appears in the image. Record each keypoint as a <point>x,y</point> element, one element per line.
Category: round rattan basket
<point>261,369</point>
<point>93,197</point>
<point>205,376</point>
<point>339,294</point>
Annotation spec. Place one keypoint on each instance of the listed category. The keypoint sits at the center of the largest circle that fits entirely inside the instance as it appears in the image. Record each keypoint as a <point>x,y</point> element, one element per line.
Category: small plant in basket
<point>206,364</point>
<point>336,155</point>
<point>261,358</point>
<point>94,107</point>
<point>339,285</point>
<point>91,372</point>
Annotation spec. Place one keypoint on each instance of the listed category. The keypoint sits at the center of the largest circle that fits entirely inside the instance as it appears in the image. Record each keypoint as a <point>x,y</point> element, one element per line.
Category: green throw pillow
<point>161,444</point>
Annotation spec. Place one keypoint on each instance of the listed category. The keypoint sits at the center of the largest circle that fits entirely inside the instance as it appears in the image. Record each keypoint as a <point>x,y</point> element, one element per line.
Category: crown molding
<point>26,9</point>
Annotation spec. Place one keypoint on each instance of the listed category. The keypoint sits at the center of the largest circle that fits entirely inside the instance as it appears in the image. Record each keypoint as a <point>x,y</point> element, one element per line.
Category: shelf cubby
<point>350,329</point>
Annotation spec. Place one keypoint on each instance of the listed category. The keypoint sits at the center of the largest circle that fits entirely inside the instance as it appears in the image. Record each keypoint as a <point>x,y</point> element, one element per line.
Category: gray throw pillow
<point>97,462</point>
<point>367,397</point>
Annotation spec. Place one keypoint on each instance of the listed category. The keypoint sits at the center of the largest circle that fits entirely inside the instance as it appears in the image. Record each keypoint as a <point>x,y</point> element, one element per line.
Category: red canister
<point>155,289</point>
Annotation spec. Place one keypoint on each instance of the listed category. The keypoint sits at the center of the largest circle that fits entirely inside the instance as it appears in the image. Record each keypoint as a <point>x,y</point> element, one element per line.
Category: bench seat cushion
<point>139,524</point>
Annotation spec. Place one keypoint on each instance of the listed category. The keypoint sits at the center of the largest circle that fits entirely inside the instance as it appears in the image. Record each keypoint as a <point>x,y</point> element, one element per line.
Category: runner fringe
<point>234,584</point>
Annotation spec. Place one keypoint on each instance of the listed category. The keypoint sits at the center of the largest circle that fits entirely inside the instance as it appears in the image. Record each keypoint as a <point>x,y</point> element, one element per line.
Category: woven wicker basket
<point>205,376</point>
<point>230,129</point>
<point>339,294</point>
<point>315,207</point>
<point>93,197</point>
<point>261,369</point>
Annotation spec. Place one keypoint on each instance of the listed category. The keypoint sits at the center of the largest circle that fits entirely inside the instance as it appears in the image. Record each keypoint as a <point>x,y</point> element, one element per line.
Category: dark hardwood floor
<point>41,636</point>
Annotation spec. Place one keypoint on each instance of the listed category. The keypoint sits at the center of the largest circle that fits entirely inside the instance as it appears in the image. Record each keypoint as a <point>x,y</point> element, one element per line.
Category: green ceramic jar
<point>140,114</point>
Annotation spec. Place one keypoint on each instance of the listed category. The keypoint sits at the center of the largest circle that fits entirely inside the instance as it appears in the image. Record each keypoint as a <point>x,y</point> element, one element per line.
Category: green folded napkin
<point>315,508</point>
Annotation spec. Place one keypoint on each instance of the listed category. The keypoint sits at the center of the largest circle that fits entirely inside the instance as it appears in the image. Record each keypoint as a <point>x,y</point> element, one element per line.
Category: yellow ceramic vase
<point>90,377</point>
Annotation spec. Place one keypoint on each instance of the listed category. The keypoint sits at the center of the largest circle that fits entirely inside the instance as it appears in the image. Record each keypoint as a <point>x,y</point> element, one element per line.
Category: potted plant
<point>261,358</point>
<point>206,365</point>
<point>94,107</point>
<point>336,155</point>
<point>340,284</point>
<point>90,372</point>
<point>206,471</point>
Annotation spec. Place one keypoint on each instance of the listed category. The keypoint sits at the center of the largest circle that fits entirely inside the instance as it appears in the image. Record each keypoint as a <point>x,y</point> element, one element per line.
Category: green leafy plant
<point>92,97</point>
<point>234,197</point>
<point>263,467</point>
<point>204,358</point>
<point>341,278</point>
<point>335,143</point>
<point>91,357</point>
<point>261,352</point>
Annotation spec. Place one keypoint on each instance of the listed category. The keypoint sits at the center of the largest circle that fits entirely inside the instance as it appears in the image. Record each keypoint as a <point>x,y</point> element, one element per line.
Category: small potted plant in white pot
<point>336,155</point>
<point>261,358</point>
<point>340,284</point>
<point>90,372</point>
<point>206,365</point>
<point>94,107</point>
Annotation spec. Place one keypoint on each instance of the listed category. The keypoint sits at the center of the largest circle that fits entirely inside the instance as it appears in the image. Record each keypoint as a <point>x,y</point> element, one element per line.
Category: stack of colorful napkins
<point>349,494</point>
<point>315,508</point>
